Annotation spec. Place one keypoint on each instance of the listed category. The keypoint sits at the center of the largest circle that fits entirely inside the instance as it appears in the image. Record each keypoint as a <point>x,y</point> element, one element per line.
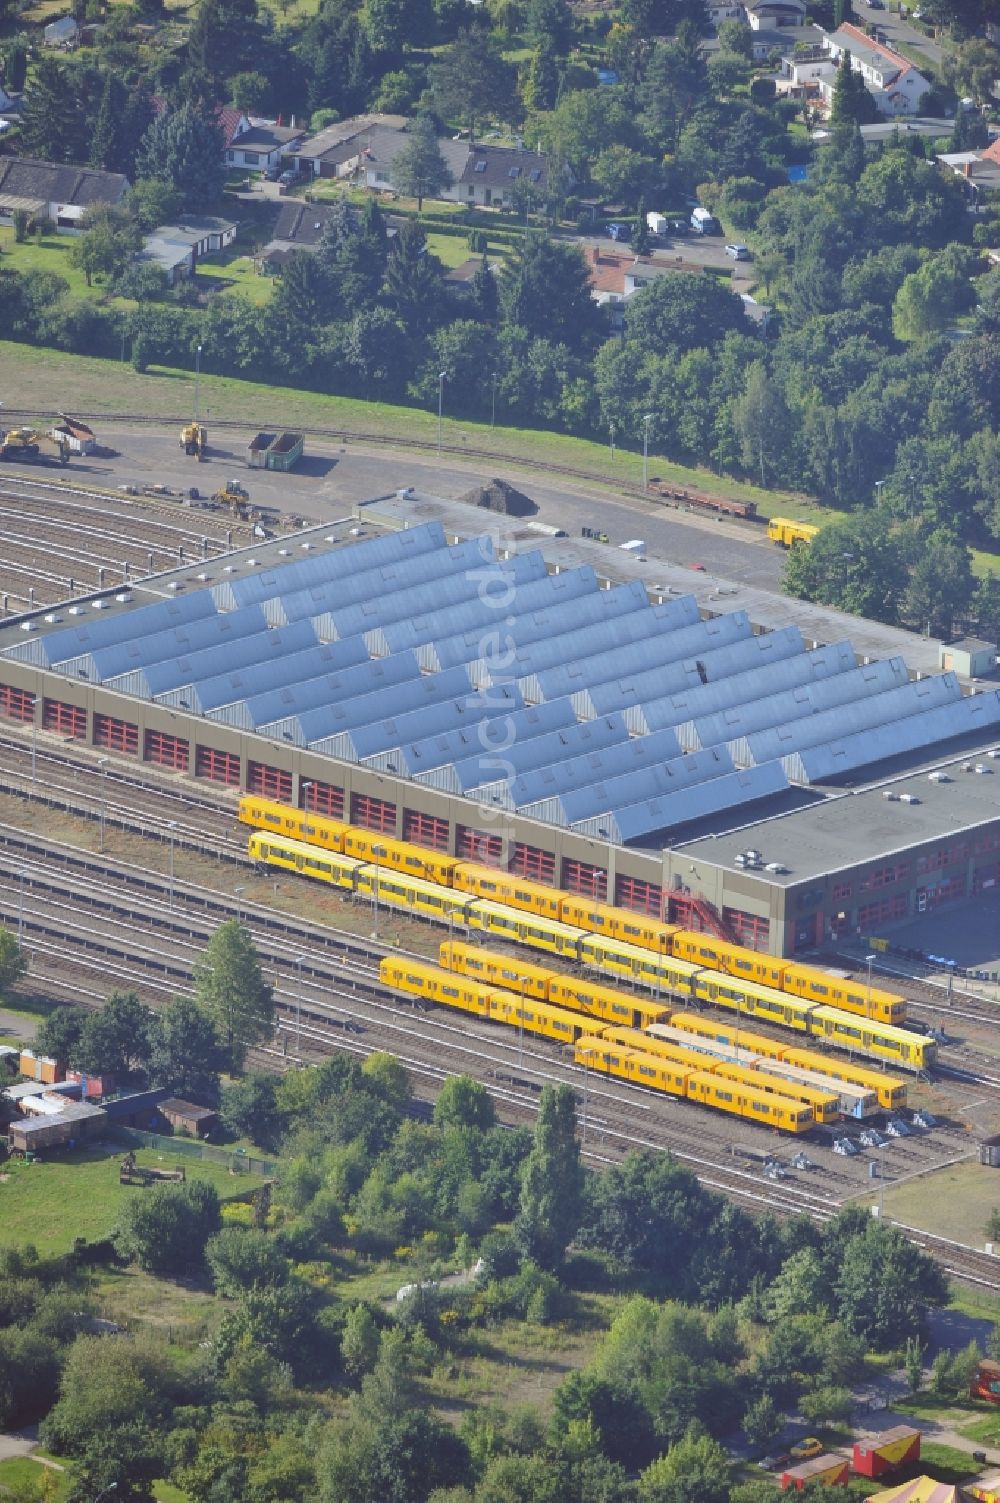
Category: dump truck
<point>194,439</point>
<point>26,444</point>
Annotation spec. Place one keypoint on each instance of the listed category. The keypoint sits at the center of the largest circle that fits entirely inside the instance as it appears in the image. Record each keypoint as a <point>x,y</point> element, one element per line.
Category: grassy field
<point>47,381</point>
<point>22,1476</point>
<point>959,1196</point>
<point>233,273</point>
<point>77,1194</point>
<point>46,253</point>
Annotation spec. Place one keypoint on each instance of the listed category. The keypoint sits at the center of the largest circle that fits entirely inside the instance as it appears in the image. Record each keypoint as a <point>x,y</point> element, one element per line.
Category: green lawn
<point>45,253</point>
<point>233,273</point>
<point>77,1194</point>
<point>21,1476</point>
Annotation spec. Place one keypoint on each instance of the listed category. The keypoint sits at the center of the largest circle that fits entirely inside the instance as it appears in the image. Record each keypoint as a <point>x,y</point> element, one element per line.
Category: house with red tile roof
<point>895,84</point>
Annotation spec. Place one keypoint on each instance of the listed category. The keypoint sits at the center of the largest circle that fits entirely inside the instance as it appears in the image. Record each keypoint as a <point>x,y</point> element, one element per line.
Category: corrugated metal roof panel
<point>385,579</point>
<point>213,695</point>
<point>704,699</point>
<point>435,719</point>
<point>162,678</point>
<point>634,658</point>
<point>348,675</point>
<point>97,630</point>
<point>464,759</point>
<point>320,567</point>
<point>658,780</point>
<point>885,709</point>
<point>109,663</point>
<point>621,759</point>
<point>610,625</point>
<point>663,814</point>
<point>726,662</point>
<point>736,723</point>
<point>356,676</point>
<point>818,764</point>
<point>492,610</point>
<point>466,647</point>
<point>315,726</point>
<point>605,730</point>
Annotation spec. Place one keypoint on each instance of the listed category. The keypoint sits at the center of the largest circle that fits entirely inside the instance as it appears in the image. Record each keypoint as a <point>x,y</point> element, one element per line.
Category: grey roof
<point>888,709</point>
<point>330,141</point>
<point>667,812</point>
<point>623,615</point>
<point>657,780</point>
<point>315,726</point>
<point>458,596</point>
<point>459,760</point>
<point>740,721</point>
<point>588,735</point>
<point>224,696</point>
<point>726,661</point>
<point>491,611</point>
<point>501,166</point>
<point>293,696</point>
<point>37,181</point>
<point>619,760</point>
<point>568,617</point>
<point>107,664</point>
<point>266,137</point>
<point>286,578</point>
<point>370,585</point>
<point>437,718</point>
<point>303,223</point>
<point>171,682</point>
<point>656,650</point>
<point>976,712</point>
<point>684,704</point>
<point>96,629</point>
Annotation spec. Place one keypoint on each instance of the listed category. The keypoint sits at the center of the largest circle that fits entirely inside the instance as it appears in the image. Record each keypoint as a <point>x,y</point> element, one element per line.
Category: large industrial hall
<point>535,714</point>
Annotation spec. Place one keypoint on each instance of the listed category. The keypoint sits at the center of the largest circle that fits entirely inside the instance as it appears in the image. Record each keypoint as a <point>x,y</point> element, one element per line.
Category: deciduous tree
<point>229,984</point>
<point>185,147</point>
<point>166,1228</point>
<point>13,961</point>
<point>552,1181</point>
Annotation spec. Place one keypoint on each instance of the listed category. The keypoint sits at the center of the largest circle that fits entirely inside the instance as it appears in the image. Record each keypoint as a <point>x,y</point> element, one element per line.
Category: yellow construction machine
<point>237,498</point>
<point>25,443</point>
<point>194,439</point>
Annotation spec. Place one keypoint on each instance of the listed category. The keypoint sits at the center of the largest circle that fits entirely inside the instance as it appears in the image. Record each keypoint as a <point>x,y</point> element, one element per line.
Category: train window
<point>619,1010</point>
<point>724,1095</point>
<point>272,819</point>
<point>646,1070</point>
<point>450,991</point>
<point>631,929</point>
<point>760,1106</point>
<point>487,886</point>
<point>415,980</point>
<point>818,990</point>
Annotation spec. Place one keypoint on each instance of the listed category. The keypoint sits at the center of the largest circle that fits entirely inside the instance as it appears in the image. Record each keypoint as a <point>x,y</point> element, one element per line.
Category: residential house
<point>884,132</point>
<point>775,15</point>
<point>615,276</point>
<point>337,150</point>
<point>896,85</point>
<point>176,248</point>
<point>299,227</point>
<point>490,173</point>
<point>262,145</point>
<point>723,10</point>
<point>979,170</point>
<point>65,32</point>
<point>55,191</point>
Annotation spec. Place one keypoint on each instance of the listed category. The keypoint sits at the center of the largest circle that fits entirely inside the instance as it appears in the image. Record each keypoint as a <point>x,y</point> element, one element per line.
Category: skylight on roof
<point>514,172</point>
<point>481,165</point>
<point>535,174</point>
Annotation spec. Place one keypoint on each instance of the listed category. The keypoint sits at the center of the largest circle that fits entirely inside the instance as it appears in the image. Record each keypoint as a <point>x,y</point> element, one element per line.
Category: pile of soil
<point>497,495</point>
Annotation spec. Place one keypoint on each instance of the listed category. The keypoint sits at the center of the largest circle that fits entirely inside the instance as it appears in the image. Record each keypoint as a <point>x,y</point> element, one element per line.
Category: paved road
<point>330,480</point>
<point>898,30</point>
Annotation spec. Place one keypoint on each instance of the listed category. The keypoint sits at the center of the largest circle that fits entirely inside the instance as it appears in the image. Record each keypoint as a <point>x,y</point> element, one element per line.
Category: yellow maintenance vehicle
<point>784,532</point>
<point>237,498</point>
<point>26,443</point>
<point>194,439</point>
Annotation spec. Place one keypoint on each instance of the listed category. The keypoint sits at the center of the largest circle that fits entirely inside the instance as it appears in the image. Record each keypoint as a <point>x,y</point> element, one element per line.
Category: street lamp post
<point>869,962</point>
<point>172,827</point>
<point>441,381</point>
<point>878,492</point>
<point>647,419</point>
<point>520,1030</point>
<point>20,909</point>
<point>298,1007</point>
<point>612,427</point>
<point>237,894</point>
<point>378,851</point>
<point>493,405</point>
<point>102,763</point>
<point>197,382</point>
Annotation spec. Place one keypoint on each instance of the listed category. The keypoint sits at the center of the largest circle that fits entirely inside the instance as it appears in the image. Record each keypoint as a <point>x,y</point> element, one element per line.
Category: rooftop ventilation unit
<point>908,798</point>
<point>29,625</point>
<point>938,777</point>
<point>892,797</point>
<point>98,605</point>
<point>52,618</point>
<point>124,597</point>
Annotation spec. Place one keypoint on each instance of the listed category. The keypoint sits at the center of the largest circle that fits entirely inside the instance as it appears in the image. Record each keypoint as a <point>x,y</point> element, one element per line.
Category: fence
<point>235,1159</point>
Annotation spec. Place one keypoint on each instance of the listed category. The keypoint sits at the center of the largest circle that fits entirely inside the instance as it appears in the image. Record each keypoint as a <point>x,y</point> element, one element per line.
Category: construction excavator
<point>26,443</point>
<point>194,440</point>
<point>237,498</point>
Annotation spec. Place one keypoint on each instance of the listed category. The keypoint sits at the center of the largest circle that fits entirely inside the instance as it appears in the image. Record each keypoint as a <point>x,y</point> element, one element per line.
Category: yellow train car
<point>722,955</point>
<point>661,973</point>
<point>669,1076</point>
<point>748,1102</point>
<point>914,1051</point>
<point>399,855</point>
<point>417,978</point>
<point>411,894</point>
<point>617,923</point>
<point>305,860</point>
<point>849,994</point>
<point>785,532</point>
<point>540,1018</point>
<point>296,824</point>
<point>716,1031</point>
<point>889,1090</point>
<point>507,888</point>
<point>650,1043</point>
<point>752,1000</point>
<point>824,1105</point>
<point>521,928</point>
<point>507,971</point>
<point>605,1002</point>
